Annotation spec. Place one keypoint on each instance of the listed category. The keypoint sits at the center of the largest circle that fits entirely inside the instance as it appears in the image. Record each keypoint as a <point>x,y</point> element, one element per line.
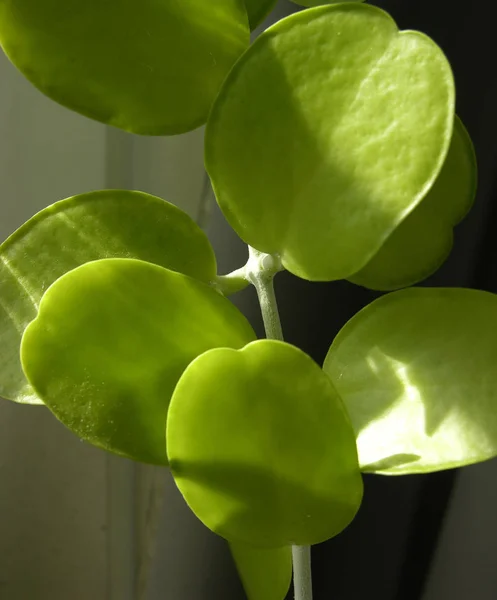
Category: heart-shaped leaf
<point>110,342</point>
<point>258,10</point>
<point>416,370</point>
<point>149,66</point>
<point>266,573</point>
<point>421,243</point>
<point>312,156</point>
<point>105,224</point>
<point>261,447</point>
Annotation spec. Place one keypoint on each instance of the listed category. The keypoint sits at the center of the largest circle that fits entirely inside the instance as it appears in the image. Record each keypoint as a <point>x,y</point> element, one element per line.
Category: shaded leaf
<point>258,10</point>
<point>151,67</point>
<point>421,243</point>
<point>266,573</point>
<point>261,447</point>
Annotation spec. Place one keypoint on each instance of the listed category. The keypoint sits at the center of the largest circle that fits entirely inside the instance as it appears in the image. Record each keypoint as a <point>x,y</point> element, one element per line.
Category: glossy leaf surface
<point>258,10</point>
<point>421,243</point>
<point>261,447</point>
<point>416,370</point>
<point>311,154</point>
<point>110,342</point>
<point>266,573</point>
<point>149,66</point>
<point>83,228</point>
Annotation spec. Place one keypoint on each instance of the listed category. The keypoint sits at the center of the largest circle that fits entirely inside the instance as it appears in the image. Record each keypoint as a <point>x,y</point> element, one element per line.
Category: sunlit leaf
<point>421,243</point>
<point>261,447</point>
<point>148,66</point>
<point>111,340</point>
<point>311,155</point>
<point>266,573</point>
<point>416,370</point>
<point>104,224</point>
<point>258,10</point>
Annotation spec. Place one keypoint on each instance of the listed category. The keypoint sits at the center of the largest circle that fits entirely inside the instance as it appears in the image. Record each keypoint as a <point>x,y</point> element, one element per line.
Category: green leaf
<point>110,342</point>
<point>258,10</point>
<point>421,243</point>
<point>261,447</point>
<point>416,370</point>
<point>88,227</point>
<point>311,155</point>
<point>150,67</point>
<point>266,573</point>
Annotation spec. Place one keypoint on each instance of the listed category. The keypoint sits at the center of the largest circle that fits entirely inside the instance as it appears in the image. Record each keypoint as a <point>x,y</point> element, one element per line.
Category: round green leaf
<point>258,10</point>
<point>149,66</point>
<point>421,243</point>
<point>261,447</point>
<point>110,342</point>
<point>416,370</point>
<point>312,156</point>
<point>266,573</point>
<point>104,224</point>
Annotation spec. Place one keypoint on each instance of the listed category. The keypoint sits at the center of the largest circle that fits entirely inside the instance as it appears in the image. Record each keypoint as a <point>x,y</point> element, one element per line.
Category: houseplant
<point>328,194</point>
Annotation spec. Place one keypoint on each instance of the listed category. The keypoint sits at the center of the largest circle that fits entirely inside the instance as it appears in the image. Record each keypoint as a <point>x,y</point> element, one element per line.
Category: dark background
<point>389,550</point>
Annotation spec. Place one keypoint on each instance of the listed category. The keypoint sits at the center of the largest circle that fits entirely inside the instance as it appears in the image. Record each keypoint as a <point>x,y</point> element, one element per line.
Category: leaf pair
<point>114,223</point>
<point>332,143</point>
<point>257,439</point>
<point>247,430</point>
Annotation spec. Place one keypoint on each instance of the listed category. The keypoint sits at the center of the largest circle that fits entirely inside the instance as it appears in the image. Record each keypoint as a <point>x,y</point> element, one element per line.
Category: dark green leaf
<point>258,10</point>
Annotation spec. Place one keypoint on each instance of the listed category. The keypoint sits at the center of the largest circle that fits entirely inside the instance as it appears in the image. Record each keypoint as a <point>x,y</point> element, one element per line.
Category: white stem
<point>260,271</point>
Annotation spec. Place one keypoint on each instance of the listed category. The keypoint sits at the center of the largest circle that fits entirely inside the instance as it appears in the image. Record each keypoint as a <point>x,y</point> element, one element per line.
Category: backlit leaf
<point>416,370</point>
<point>105,224</point>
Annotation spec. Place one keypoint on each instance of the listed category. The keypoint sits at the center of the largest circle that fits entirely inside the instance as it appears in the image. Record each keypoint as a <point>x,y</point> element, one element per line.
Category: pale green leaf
<point>311,155</point>
<point>416,370</point>
<point>110,342</point>
<point>104,224</point>
<point>261,447</point>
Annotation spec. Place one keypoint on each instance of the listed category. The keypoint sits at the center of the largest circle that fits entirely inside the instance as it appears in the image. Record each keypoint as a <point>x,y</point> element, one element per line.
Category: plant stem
<point>260,271</point>
<point>232,283</point>
<point>302,574</point>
